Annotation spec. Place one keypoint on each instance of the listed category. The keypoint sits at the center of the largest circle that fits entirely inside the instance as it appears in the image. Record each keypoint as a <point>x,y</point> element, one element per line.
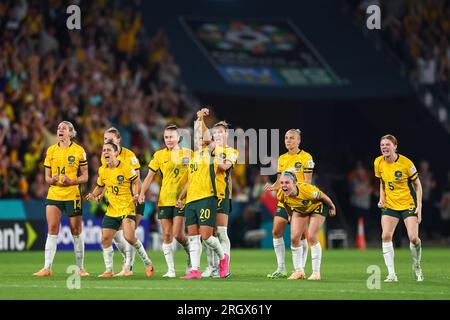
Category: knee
<point>414,239</point>
<point>53,229</point>
<point>277,233</point>
<point>76,231</point>
<point>386,236</point>
<point>106,242</point>
<point>167,237</point>
<point>295,243</point>
<point>313,239</point>
<point>130,238</point>
<point>179,236</point>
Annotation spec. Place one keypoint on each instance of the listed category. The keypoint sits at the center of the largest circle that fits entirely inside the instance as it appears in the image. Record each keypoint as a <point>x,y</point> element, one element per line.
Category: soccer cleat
<point>314,276</point>
<point>418,271</point>
<point>169,274</point>
<point>149,271</point>
<point>297,275</point>
<point>194,274</point>
<point>223,266</point>
<point>208,272</point>
<point>124,273</point>
<point>83,273</point>
<point>106,274</point>
<point>391,278</point>
<point>43,273</point>
<point>277,274</point>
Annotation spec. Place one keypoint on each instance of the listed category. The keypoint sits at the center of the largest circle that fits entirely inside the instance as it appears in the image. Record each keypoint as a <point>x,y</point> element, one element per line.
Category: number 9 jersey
<point>65,161</point>
<point>173,165</point>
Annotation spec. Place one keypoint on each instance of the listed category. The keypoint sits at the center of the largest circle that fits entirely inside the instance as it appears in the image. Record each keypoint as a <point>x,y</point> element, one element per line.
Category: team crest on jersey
<point>298,165</point>
<point>71,160</point>
<point>305,202</point>
<point>120,179</point>
<point>185,161</point>
<point>398,175</point>
<point>223,156</point>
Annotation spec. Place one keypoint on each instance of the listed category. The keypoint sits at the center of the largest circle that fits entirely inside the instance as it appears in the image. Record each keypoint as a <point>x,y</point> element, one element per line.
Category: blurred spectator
<point>431,215</point>
<point>359,180</point>
<point>444,206</point>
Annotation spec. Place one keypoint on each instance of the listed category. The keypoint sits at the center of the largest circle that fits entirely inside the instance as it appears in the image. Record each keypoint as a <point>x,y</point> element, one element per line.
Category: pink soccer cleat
<point>194,274</point>
<point>224,266</point>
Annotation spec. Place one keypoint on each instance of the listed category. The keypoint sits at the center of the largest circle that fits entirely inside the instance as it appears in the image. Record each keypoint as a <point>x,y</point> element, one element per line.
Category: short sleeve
<point>154,163</point>
<point>134,162</point>
<point>100,182</point>
<point>411,170</point>
<point>280,167</point>
<point>48,157</point>
<point>376,168</point>
<point>280,195</point>
<point>82,158</point>
<point>308,166</point>
<point>311,192</point>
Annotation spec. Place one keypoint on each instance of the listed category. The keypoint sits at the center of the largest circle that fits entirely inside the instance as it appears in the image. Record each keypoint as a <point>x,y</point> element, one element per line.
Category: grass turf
<point>344,276</point>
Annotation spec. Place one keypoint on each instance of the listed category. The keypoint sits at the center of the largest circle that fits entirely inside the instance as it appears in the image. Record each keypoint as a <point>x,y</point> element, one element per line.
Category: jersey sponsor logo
<point>120,179</point>
<point>398,175</point>
<point>185,161</point>
<point>71,160</point>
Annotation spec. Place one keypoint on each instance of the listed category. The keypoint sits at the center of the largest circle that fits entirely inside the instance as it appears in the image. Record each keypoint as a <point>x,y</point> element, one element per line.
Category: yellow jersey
<point>65,161</point>
<point>201,176</point>
<point>127,156</point>
<point>173,165</point>
<point>306,201</point>
<point>397,177</point>
<point>221,155</point>
<point>300,163</point>
<point>117,181</point>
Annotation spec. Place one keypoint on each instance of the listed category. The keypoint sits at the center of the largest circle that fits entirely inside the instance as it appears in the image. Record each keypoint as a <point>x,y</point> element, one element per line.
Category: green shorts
<point>323,210</point>
<point>71,207</point>
<point>224,206</point>
<point>399,214</point>
<point>115,222</point>
<point>170,212</point>
<point>281,212</point>
<point>140,208</point>
<point>201,212</point>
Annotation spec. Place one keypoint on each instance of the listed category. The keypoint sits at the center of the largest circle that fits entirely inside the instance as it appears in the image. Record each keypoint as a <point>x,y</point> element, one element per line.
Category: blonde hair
<point>71,129</point>
<point>391,138</point>
<point>222,124</point>
<point>114,131</point>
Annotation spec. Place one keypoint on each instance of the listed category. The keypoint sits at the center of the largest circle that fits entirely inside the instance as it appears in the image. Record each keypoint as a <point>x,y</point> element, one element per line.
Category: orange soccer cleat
<point>106,274</point>
<point>43,273</point>
<point>297,275</point>
<point>314,276</point>
<point>149,271</point>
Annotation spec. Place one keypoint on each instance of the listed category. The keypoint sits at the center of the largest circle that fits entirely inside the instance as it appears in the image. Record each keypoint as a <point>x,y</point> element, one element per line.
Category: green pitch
<point>344,276</point>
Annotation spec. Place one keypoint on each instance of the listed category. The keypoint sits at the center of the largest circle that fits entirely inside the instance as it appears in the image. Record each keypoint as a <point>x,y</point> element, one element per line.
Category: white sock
<point>168,255</point>
<point>121,243</point>
<point>195,251</point>
<point>214,244</point>
<point>222,234</point>
<point>305,252</point>
<point>78,247</point>
<point>132,253</point>
<point>209,254</point>
<point>50,250</point>
<point>388,254</point>
<point>280,252</point>
<point>142,253</point>
<point>108,255</point>
<point>185,246</point>
<point>316,257</point>
<point>416,252</point>
<point>297,258</point>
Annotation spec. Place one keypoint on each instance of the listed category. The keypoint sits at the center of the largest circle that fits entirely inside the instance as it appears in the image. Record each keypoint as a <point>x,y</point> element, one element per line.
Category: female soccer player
<point>224,160</point>
<point>397,175</point>
<point>122,182</point>
<point>304,202</point>
<point>173,162</point>
<point>62,163</point>
<point>200,210</point>
<point>127,156</point>
<point>300,162</point>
